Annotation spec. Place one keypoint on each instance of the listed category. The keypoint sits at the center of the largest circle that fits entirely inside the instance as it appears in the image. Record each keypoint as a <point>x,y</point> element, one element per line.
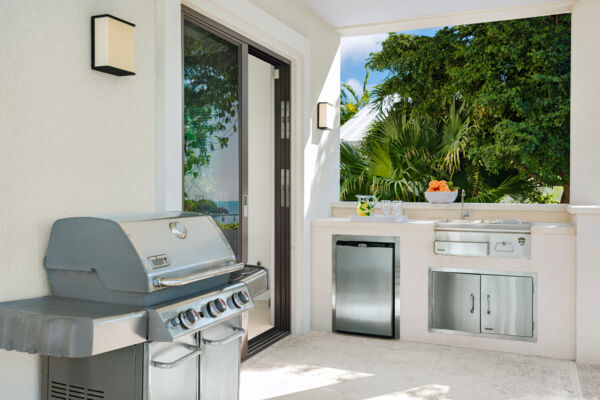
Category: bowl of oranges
<point>439,192</point>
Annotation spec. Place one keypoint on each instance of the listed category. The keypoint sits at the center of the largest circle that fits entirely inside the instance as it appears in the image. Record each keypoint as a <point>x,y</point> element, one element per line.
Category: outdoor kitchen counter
<point>552,259</point>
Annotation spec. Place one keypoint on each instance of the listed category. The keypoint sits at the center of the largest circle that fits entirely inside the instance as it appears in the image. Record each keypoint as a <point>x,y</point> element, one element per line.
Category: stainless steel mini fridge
<point>366,281</point>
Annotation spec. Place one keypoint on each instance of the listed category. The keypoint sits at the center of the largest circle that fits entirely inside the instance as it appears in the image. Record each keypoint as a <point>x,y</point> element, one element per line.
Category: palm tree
<point>351,102</point>
<point>405,150</point>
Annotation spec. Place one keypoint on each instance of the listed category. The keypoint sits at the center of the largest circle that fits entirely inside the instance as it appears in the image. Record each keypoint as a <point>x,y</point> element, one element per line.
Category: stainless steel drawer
<point>461,248</point>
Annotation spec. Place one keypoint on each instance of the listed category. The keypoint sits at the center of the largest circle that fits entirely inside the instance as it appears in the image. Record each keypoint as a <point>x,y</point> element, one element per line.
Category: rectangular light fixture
<point>325,116</point>
<point>113,49</point>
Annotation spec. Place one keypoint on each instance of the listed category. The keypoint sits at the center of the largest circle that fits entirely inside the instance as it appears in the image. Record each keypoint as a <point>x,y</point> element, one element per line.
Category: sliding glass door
<point>236,157</point>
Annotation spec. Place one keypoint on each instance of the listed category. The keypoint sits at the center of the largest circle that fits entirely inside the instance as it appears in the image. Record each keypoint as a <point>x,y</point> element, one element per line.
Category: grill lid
<point>139,254</point>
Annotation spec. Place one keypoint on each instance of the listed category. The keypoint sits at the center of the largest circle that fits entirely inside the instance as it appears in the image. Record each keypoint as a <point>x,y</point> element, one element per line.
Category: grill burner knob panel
<point>216,307</point>
<point>188,318</point>
<point>240,298</point>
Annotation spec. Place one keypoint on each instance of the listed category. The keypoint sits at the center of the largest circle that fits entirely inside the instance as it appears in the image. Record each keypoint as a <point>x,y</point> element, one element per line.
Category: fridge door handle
<point>472,303</point>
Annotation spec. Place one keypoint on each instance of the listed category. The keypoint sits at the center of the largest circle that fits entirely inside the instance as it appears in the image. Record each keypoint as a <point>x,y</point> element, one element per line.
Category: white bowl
<point>441,197</point>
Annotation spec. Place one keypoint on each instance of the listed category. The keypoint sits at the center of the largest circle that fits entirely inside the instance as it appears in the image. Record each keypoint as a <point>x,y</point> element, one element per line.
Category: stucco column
<point>585,167</point>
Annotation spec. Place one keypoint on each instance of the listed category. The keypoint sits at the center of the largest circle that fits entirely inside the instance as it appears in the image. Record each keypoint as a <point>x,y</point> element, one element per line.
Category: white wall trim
<point>462,18</point>
<point>243,17</point>
<point>169,103</point>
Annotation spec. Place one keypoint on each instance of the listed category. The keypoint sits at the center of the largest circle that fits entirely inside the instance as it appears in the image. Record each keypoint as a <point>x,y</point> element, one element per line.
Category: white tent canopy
<point>357,127</point>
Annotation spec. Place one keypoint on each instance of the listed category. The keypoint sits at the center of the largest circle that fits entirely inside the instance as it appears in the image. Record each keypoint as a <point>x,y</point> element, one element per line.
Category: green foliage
<point>231,226</point>
<point>404,151</point>
<point>351,102</point>
<point>204,206</point>
<point>514,75</point>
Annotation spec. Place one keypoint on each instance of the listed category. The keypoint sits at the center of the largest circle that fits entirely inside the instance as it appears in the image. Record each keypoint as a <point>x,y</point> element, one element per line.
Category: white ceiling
<point>352,17</point>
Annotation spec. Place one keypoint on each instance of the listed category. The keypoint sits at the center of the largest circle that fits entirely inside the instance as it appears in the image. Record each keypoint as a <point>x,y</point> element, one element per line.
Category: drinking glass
<point>386,207</point>
<point>397,208</point>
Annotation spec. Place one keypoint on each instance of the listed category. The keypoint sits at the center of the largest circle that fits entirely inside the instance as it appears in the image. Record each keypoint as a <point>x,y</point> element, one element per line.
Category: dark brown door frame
<point>282,267</point>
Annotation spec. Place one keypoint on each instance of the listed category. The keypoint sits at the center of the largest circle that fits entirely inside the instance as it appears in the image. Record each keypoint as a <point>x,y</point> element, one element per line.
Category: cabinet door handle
<point>489,311</point>
<point>472,303</point>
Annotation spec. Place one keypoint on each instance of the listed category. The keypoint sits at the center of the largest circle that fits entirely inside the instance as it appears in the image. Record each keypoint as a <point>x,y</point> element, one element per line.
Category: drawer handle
<point>489,311</point>
<point>472,303</point>
<point>174,364</point>
<point>239,332</point>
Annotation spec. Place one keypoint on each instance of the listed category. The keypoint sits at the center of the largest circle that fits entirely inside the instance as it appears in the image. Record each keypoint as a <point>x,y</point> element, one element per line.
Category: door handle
<point>239,333</point>
<point>489,311</point>
<point>168,365</point>
<point>472,303</point>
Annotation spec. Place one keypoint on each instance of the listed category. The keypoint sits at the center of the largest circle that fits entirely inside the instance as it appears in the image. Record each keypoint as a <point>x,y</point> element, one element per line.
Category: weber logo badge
<point>159,261</point>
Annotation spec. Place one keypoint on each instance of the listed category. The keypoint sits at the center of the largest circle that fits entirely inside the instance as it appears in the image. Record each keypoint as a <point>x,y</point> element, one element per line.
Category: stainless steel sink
<point>480,225</point>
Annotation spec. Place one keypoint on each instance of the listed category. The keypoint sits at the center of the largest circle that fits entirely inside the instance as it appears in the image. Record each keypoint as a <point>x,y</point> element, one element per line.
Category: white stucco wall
<point>73,141</point>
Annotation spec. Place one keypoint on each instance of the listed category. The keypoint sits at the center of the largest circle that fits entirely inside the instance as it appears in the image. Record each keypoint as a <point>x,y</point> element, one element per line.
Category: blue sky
<point>355,51</point>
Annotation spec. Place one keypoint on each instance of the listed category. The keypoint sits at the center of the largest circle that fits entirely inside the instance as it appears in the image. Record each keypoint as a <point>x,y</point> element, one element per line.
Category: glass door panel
<point>211,182</point>
<point>261,187</point>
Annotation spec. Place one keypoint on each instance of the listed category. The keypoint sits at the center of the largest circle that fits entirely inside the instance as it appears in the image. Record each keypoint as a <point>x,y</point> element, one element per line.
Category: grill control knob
<point>240,298</point>
<point>188,318</point>
<point>216,307</point>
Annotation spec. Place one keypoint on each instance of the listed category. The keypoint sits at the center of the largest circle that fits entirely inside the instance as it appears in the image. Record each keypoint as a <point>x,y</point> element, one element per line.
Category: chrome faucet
<point>463,214</point>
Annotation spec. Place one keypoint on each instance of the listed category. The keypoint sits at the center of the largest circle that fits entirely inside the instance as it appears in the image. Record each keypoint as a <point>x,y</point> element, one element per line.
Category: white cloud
<point>357,48</point>
<point>354,84</point>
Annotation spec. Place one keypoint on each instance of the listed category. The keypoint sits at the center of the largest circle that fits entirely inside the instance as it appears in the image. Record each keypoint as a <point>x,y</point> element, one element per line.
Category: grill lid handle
<point>184,280</point>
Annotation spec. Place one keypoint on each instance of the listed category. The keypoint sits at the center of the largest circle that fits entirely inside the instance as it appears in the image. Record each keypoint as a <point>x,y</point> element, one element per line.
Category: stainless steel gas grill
<point>145,307</point>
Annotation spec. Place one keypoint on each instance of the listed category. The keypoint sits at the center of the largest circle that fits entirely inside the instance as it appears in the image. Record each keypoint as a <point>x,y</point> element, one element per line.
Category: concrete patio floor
<point>320,366</point>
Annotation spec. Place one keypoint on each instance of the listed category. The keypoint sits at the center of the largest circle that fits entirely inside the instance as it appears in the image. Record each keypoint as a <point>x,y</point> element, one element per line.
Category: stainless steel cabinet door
<point>455,301</point>
<point>364,290</point>
<point>179,382</point>
<point>220,362</point>
<point>507,305</point>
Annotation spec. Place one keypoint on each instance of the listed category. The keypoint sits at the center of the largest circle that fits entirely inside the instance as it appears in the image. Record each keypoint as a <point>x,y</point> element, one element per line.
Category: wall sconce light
<point>113,47</point>
<point>325,116</point>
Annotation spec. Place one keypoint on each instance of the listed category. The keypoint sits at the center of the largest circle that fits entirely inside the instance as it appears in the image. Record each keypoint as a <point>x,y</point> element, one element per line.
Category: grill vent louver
<point>62,391</point>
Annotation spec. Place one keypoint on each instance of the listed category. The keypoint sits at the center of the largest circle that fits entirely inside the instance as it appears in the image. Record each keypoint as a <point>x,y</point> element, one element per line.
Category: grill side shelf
<point>61,327</point>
